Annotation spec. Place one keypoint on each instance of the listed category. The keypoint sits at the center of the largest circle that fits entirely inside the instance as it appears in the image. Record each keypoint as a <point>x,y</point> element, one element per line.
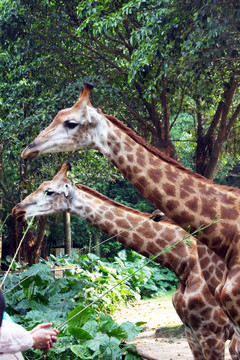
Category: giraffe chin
<point>32,155</point>
<point>20,216</point>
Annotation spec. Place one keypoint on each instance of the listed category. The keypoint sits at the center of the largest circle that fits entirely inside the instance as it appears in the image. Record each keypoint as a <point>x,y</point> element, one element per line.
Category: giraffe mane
<point>163,156</point>
<point>109,201</point>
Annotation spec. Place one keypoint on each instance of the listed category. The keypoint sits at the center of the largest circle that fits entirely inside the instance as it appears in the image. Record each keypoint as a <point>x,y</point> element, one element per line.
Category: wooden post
<point>67,230</point>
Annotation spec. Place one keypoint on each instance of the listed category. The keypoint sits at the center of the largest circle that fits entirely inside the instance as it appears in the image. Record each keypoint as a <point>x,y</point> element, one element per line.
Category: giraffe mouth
<point>18,214</point>
<point>29,152</point>
<point>30,155</point>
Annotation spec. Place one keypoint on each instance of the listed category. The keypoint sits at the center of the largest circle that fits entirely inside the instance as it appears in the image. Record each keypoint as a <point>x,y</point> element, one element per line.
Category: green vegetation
<point>38,295</point>
<point>169,70</point>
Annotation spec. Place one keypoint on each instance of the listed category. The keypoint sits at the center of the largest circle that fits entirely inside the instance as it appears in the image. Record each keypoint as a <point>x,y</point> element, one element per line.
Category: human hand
<point>44,339</point>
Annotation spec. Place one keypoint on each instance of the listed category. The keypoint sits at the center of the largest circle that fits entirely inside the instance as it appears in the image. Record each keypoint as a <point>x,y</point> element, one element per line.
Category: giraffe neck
<point>187,198</point>
<point>146,236</point>
<point>150,238</point>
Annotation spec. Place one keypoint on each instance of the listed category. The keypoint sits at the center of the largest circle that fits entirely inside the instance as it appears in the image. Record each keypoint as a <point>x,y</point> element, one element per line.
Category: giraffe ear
<point>91,116</point>
<point>66,190</point>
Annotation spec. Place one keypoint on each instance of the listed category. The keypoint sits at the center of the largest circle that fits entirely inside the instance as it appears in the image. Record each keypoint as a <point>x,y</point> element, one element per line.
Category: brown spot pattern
<point>169,189</point>
<point>155,175</point>
<point>171,205</point>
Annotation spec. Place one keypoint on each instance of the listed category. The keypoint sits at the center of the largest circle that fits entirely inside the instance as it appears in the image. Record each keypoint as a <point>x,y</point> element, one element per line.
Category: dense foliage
<point>168,69</point>
<point>40,295</point>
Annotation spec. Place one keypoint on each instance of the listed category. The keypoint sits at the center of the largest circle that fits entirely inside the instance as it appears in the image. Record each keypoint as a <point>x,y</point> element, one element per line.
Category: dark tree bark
<point>30,251</point>
<point>211,142</point>
<point>1,202</point>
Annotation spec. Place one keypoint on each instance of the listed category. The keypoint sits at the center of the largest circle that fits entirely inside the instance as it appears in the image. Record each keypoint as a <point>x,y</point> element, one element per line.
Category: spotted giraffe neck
<point>185,197</point>
<point>148,237</point>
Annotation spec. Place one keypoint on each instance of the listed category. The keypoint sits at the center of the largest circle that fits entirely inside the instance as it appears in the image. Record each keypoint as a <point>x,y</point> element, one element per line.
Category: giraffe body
<point>185,197</point>
<point>207,326</point>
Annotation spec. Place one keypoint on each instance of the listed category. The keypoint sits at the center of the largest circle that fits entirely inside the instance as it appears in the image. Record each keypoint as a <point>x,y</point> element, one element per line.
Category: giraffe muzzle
<point>18,213</point>
<point>29,151</point>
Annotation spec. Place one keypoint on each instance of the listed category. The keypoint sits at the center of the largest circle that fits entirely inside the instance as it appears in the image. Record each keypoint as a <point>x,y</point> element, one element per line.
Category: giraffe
<point>206,325</point>
<point>185,197</point>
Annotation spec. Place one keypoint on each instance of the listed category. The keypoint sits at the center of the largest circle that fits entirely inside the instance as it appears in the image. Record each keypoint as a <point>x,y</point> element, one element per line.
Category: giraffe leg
<point>213,345</point>
<point>206,345</point>
<point>194,344</point>
<point>229,296</point>
<point>234,348</point>
<point>206,325</point>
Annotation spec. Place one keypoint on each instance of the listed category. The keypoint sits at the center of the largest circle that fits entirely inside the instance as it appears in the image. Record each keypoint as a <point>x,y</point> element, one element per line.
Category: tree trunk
<point>210,144</point>
<point>163,128</point>
<point>39,240</point>
<point>1,203</point>
<point>97,249</point>
<point>31,248</point>
<point>67,230</point>
<point>223,131</point>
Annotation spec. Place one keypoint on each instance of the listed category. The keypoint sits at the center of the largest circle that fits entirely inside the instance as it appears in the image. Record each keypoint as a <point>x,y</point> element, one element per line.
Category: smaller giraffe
<point>206,325</point>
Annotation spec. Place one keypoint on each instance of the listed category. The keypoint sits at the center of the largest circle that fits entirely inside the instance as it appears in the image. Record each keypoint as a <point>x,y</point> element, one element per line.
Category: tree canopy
<point>168,69</point>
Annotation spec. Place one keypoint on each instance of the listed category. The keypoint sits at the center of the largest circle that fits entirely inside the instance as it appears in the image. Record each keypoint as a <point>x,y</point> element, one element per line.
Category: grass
<point>165,297</point>
<point>170,331</point>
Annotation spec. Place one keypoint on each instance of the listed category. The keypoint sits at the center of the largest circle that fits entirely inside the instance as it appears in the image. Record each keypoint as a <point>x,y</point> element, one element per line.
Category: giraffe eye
<point>49,192</point>
<point>70,124</point>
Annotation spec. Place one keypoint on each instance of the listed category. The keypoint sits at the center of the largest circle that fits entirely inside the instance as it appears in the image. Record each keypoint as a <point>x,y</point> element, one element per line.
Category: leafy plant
<point>37,295</point>
<point>100,337</point>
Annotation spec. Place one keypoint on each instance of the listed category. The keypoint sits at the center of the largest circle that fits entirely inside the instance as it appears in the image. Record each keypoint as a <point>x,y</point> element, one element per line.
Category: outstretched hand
<point>44,338</point>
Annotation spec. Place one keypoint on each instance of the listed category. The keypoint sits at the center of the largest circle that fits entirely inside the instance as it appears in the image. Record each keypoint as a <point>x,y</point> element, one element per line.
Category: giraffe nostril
<point>32,145</point>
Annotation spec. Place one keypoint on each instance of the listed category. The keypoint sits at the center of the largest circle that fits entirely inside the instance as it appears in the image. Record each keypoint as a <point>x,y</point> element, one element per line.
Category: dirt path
<point>163,334</point>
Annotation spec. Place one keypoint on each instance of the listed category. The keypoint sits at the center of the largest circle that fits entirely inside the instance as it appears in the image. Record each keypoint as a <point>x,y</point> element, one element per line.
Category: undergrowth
<point>35,296</point>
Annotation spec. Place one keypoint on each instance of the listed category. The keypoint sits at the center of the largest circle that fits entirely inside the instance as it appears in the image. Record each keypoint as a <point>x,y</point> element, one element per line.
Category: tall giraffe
<point>185,197</point>
<point>206,325</point>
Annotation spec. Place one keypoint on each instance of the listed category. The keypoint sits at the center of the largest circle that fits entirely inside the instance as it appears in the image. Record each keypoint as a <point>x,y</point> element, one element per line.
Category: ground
<point>162,337</point>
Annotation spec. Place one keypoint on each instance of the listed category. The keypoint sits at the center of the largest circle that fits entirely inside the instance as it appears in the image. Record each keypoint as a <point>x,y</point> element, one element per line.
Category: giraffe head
<point>51,197</point>
<point>73,128</point>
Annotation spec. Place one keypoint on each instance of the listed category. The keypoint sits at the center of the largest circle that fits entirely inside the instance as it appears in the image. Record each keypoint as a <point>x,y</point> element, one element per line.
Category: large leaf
<point>81,352</point>
<point>132,356</point>
<point>82,317</point>
<point>39,273</point>
<point>131,329</point>
<point>100,342</point>
<point>79,333</point>
<point>112,350</point>
<point>91,326</point>
<point>110,327</point>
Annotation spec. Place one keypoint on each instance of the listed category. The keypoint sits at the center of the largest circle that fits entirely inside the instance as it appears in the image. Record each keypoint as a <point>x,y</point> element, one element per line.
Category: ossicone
<point>89,85</point>
<point>85,92</point>
<point>68,165</point>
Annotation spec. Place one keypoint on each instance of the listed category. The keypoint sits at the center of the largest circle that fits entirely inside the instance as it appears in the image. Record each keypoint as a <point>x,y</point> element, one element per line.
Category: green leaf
<point>79,333</point>
<point>100,340</point>
<point>140,323</point>
<point>81,351</point>
<point>132,356</point>
<point>80,319</point>
<point>91,326</point>
<point>110,327</point>
<point>131,329</point>
<point>112,350</point>
<point>39,273</point>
